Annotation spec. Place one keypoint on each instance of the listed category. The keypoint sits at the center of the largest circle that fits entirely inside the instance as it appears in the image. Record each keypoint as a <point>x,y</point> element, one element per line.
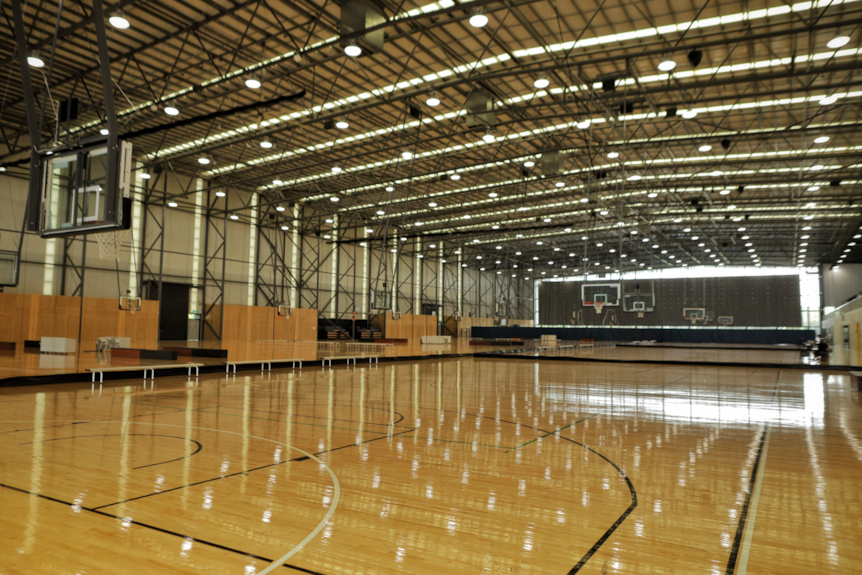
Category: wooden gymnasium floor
<point>450,466</point>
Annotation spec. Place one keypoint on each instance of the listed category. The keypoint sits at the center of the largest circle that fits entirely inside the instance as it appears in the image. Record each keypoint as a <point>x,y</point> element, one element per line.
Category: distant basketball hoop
<point>131,304</point>
<point>599,305</point>
<point>283,310</point>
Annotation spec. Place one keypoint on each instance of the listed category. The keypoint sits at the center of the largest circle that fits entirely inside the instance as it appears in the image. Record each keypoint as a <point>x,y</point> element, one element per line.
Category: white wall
<point>841,283</point>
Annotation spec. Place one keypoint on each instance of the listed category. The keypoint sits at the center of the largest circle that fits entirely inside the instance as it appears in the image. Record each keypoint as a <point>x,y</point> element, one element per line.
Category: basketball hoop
<point>599,305</point>
<point>640,314</point>
<point>109,244</point>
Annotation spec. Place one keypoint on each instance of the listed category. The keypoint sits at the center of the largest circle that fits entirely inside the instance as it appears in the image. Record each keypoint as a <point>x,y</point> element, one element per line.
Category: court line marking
<point>195,452</point>
<point>749,528</point>
<point>735,550</point>
<point>552,432</point>
<point>336,495</point>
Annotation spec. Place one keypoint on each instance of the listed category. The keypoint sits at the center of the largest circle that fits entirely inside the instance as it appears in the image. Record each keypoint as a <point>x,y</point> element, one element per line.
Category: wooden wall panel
<point>32,317</point>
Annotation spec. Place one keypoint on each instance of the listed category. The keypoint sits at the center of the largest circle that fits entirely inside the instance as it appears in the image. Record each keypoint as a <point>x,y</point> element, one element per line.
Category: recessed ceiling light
<point>838,42</point>
<point>118,21</point>
<point>352,50</point>
<point>478,20</point>
<point>667,65</point>
<point>35,60</point>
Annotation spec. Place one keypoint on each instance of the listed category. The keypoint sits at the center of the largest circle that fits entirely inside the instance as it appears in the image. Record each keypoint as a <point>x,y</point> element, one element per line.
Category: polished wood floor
<point>437,466</point>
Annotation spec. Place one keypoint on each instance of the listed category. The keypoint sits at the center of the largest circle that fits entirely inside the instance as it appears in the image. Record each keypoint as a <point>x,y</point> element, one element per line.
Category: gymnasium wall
<point>840,283</point>
<point>752,301</point>
<point>31,317</point>
<point>306,269</point>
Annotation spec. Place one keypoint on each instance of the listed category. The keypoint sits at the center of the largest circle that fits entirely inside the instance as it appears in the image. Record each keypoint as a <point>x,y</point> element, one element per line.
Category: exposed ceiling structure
<point>587,136</point>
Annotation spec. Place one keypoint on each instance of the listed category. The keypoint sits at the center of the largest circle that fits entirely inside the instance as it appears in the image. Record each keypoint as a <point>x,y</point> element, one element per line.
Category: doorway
<point>174,312</point>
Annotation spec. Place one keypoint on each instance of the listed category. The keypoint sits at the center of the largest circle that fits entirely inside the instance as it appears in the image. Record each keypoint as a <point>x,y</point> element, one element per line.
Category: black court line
<point>247,471</point>
<point>195,452</point>
<point>160,530</point>
<point>620,519</point>
<point>665,385</point>
<point>740,529</point>
<point>90,421</point>
<point>644,370</point>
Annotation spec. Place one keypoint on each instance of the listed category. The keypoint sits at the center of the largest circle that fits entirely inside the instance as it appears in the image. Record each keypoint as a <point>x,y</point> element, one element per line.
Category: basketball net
<point>109,244</point>
<point>598,305</point>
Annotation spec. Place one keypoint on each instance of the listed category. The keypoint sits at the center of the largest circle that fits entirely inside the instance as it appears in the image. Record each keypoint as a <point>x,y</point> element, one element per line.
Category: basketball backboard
<point>8,269</point>
<point>605,294</point>
<point>131,304</point>
<point>725,320</point>
<point>85,190</point>
<point>284,310</point>
<point>693,313</point>
<point>639,302</point>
